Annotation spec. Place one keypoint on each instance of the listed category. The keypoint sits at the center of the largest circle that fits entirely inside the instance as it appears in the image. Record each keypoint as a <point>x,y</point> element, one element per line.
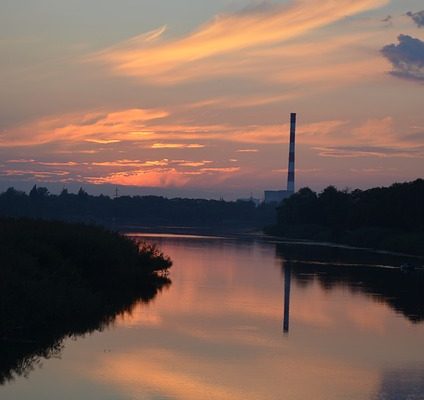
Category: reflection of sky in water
<point>217,334</point>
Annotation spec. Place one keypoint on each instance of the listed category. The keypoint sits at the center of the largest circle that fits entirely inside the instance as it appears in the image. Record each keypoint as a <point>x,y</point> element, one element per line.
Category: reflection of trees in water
<point>20,357</point>
<point>402,384</point>
<point>59,280</point>
<point>356,270</point>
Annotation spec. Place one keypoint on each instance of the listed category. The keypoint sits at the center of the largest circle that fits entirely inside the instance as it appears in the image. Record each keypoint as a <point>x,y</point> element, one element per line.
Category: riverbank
<point>411,243</point>
<point>60,279</point>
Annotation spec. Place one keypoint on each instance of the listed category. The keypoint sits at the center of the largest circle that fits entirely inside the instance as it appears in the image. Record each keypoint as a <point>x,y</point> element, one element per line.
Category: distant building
<point>277,196</point>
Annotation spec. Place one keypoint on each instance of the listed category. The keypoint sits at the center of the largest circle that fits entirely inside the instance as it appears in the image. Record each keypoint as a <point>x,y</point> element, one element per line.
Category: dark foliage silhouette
<point>59,280</point>
<point>387,218</point>
<point>146,210</point>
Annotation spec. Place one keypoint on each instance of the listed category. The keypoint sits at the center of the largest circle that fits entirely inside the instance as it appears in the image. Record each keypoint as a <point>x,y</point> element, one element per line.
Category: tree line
<point>146,210</point>
<point>379,216</point>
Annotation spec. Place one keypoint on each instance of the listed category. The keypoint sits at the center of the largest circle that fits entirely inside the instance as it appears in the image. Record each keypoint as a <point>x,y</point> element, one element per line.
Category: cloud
<point>102,141</point>
<point>156,129</point>
<point>132,163</point>
<point>307,133</point>
<point>417,17</point>
<point>165,175</point>
<point>407,58</point>
<point>247,150</point>
<point>160,177</point>
<point>193,164</point>
<point>215,47</point>
<point>129,172</point>
<point>134,160</point>
<point>369,151</point>
<point>375,138</point>
<point>221,169</point>
<point>94,127</point>
<point>44,176</point>
<point>45,163</point>
<point>177,146</point>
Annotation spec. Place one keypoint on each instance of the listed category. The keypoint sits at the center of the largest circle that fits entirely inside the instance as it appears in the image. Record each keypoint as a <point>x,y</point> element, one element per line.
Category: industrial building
<point>277,196</point>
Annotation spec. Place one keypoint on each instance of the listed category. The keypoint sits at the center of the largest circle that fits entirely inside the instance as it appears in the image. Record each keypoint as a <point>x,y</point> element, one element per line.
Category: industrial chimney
<point>291,173</point>
<point>277,196</point>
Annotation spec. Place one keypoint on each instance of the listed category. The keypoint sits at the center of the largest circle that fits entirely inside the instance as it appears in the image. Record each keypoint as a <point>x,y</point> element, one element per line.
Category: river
<point>250,319</point>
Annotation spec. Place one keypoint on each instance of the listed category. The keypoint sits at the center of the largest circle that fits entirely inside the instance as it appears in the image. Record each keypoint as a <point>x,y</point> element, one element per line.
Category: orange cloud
<point>174,60</point>
<point>177,146</point>
<point>122,127</point>
<point>242,101</point>
<point>132,163</point>
<point>163,173</point>
<point>96,127</point>
<point>151,178</point>
<point>247,151</point>
<point>193,163</point>
<point>225,170</point>
<point>102,141</point>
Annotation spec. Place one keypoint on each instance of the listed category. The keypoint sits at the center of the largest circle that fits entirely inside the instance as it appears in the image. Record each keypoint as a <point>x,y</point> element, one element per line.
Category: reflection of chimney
<point>291,174</point>
<point>287,287</point>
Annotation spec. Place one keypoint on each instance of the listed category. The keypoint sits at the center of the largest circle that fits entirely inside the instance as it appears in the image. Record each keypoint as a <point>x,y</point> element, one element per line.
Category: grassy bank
<point>58,280</point>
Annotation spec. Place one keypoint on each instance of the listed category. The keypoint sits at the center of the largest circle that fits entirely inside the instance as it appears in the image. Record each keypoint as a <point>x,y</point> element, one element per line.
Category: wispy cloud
<point>46,163</point>
<point>46,176</point>
<point>184,160</point>
<point>95,127</point>
<point>247,150</point>
<point>156,129</point>
<point>373,138</point>
<point>177,146</point>
<point>131,163</point>
<point>369,152</point>
<point>166,176</point>
<point>102,141</point>
<point>211,48</point>
<point>194,164</point>
<point>131,172</point>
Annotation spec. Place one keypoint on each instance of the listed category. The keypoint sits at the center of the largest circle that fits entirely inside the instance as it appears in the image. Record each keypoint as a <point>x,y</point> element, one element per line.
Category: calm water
<point>252,320</point>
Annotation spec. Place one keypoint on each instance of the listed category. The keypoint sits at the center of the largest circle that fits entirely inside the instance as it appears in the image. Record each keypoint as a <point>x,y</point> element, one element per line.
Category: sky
<point>193,98</point>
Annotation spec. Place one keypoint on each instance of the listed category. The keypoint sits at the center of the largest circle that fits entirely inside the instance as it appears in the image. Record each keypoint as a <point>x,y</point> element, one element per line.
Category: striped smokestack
<point>291,174</point>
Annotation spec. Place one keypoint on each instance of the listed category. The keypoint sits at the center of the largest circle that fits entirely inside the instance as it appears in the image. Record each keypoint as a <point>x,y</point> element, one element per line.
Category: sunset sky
<point>193,97</point>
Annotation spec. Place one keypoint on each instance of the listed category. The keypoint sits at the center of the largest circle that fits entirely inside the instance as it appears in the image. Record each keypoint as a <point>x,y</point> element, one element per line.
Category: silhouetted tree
<point>82,193</point>
<point>146,210</point>
<point>391,217</point>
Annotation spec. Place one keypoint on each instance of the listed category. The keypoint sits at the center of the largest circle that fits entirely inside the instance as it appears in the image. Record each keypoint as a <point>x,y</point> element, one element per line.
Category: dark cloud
<point>415,137</point>
<point>388,21</point>
<point>417,17</point>
<point>371,151</point>
<point>407,58</point>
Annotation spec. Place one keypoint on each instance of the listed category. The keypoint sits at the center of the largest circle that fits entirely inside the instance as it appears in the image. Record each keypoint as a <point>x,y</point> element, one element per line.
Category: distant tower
<point>277,196</point>
<point>291,173</point>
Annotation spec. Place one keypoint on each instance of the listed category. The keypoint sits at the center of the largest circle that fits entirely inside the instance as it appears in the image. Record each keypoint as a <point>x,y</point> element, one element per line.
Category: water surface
<point>247,319</point>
